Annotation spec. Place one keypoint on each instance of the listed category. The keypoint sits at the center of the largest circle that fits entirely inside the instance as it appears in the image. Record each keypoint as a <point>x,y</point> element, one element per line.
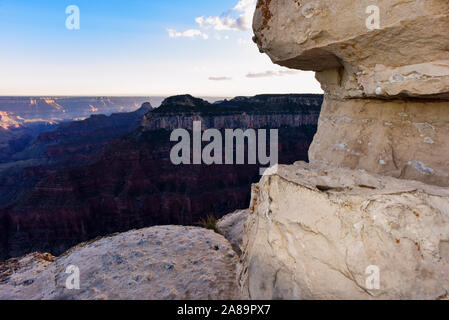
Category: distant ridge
<point>67,108</point>
<point>259,104</point>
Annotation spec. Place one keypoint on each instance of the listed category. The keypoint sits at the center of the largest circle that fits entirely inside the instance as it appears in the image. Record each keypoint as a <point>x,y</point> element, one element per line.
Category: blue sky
<point>137,47</point>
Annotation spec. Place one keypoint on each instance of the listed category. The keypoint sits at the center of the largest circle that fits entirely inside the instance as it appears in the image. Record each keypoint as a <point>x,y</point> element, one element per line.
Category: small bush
<point>210,222</point>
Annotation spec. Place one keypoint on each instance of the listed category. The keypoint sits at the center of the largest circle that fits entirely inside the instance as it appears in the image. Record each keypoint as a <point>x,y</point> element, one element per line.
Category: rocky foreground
<point>170,262</point>
<point>355,223</point>
<point>315,233</point>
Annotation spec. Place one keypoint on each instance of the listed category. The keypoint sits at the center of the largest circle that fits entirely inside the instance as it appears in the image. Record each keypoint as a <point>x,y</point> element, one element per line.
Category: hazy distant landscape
<point>22,110</point>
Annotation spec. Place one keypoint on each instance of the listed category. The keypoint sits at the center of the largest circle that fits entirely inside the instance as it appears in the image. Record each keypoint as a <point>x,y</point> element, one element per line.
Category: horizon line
<point>150,96</point>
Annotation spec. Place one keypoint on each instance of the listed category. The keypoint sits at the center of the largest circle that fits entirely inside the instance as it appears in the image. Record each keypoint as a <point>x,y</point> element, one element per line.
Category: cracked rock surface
<point>402,139</point>
<point>231,227</point>
<point>406,55</point>
<point>169,262</point>
<point>316,233</point>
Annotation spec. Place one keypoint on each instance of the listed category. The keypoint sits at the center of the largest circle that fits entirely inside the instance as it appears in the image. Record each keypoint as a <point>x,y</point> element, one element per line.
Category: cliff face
<point>133,184</point>
<point>69,144</point>
<point>334,229</point>
<point>272,111</point>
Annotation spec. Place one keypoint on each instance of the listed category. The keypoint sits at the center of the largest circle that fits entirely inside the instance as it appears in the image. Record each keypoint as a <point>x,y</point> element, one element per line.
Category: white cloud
<point>220,78</point>
<point>265,74</point>
<point>190,33</point>
<point>238,18</point>
<point>228,20</point>
<point>270,73</point>
<point>288,72</point>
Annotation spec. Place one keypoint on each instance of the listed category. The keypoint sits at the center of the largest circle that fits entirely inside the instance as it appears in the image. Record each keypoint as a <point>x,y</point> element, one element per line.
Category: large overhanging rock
<point>315,233</point>
<point>406,56</point>
<point>387,86</point>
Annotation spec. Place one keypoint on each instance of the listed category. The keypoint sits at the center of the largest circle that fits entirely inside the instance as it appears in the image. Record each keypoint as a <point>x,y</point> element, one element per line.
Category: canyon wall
<point>262,111</point>
<point>69,144</point>
<point>335,228</point>
<point>131,182</point>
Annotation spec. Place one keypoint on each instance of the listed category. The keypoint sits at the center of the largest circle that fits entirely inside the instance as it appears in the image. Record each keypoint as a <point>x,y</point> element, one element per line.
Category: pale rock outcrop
<point>317,233</point>
<point>231,227</point>
<point>169,262</point>
<point>407,56</point>
<point>387,89</point>
<point>403,139</point>
<point>331,229</point>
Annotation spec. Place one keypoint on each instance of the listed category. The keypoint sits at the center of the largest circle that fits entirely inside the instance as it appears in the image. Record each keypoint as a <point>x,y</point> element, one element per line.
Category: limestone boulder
<point>381,49</point>
<point>333,233</point>
<point>158,263</point>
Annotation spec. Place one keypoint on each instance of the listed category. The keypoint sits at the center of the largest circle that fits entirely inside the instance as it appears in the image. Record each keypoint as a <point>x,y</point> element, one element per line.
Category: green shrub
<point>210,222</point>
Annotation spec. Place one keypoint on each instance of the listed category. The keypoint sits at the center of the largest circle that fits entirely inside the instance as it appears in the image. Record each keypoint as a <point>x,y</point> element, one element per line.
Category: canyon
<point>367,218</point>
<point>129,182</point>
<point>63,145</point>
<point>28,109</point>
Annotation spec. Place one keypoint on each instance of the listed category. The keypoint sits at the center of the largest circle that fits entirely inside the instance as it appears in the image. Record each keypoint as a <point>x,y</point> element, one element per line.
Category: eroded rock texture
<point>314,233</point>
<point>231,227</point>
<point>400,138</point>
<point>321,231</point>
<point>407,56</point>
<point>404,60</point>
<point>170,262</point>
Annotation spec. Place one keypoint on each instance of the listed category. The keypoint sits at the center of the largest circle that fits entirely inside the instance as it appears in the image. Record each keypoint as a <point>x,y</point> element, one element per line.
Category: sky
<point>137,47</point>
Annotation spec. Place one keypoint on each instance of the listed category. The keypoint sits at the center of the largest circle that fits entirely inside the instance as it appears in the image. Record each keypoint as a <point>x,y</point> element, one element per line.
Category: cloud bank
<point>238,18</point>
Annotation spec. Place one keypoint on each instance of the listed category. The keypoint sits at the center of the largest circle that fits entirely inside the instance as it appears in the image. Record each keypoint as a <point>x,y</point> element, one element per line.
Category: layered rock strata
<point>385,71</point>
<point>335,229</point>
<point>400,138</point>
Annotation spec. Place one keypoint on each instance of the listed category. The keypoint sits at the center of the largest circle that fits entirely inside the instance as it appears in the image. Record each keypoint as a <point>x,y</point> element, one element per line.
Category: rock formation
<point>314,232</point>
<point>159,263</point>
<point>231,227</point>
<point>272,111</point>
<point>334,229</point>
<point>387,89</point>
